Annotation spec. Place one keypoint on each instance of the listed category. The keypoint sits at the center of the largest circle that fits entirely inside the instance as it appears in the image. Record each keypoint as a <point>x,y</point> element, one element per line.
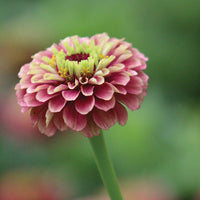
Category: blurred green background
<point>161,141</point>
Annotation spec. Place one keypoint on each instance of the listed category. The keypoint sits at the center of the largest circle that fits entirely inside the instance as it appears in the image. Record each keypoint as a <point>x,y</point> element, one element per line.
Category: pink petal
<point>20,97</point>
<point>135,86</point>
<point>73,119</point>
<point>91,129</point>
<point>57,104</point>
<point>30,100</point>
<point>84,104</point>
<point>26,81</point>
<point>97,80</point>
<point>104,119</point>
<point>43,96</point>
<point>104,91</point>
<point>37,113</point>
<point>38,56</point>
<point>133,62</point>
<point>116,42</point>
<point>122,114</point>
<point>121,78</point>
<point>130,100</point>
<point>61,87</point>
<point>36,88</point>
<point>143,76</point>
<point>18,86</point>
<point>87,90</point>
<point>120,49</point>
<point>116,68</point>
<point>136,64</point>
<point>70,95</point>
<point>124,57</point>
<point>59,122</point>
<point>50,89</point>
<point>41,87</point>
<point>132,72</point>
<point>31,89</point>
<point>54,46</point>
<point>119,89</point>
<point>100,39</point>
<point>24,109</point>
<point>42,123</point>
<point>105,105</point>
<point>137,53</point>
<point>37,78</point>
<point>50,130</point>
<point>24,70</point>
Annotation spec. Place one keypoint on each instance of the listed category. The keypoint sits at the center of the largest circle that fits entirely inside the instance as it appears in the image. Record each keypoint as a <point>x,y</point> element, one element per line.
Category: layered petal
<point>130,100</point>
<point>121,113</point>
<point>43,96</point>
<point>73,119</point>
<point>135,86</point>
<point>59,121</point>
<point>37,113</point>
<point>104,91</point>
<point>57,104</point>
<point>91,128</point>
<point>104,119</point>
<point>105,105</point>
<point>70,95</point>
<point>121,78</point>
<point>31,101</point>
<point>87,90</point>
<point>84,104</point>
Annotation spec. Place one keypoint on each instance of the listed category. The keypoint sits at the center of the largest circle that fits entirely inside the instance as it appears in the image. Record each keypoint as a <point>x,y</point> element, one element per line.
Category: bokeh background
<point>157,154</point>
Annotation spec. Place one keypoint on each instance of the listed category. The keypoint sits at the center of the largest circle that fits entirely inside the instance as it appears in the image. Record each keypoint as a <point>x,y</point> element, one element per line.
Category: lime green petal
<point>36,71</point>
<point>107,48</point>
<point>104,62</point>
<point>53,77</point>
<point>46,59</point>
<point>48,68</point>
<point>70,66</point>
<point>116,68</point>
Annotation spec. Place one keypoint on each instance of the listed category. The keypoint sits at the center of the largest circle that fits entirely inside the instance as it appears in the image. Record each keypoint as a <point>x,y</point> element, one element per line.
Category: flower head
<point>82,84</point>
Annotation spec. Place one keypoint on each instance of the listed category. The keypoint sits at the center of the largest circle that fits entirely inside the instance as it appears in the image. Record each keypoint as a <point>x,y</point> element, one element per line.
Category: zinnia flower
<point>82,84</point>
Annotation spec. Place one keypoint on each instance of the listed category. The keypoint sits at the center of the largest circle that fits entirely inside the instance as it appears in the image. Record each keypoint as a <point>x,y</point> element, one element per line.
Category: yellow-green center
<point>81,59</point>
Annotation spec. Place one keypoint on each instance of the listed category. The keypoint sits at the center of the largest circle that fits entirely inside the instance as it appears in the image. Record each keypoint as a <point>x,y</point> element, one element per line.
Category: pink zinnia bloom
<point>83,84</point>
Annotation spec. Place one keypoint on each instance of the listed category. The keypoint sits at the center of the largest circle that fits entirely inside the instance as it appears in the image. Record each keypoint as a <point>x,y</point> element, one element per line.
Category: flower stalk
<point>105,167</point>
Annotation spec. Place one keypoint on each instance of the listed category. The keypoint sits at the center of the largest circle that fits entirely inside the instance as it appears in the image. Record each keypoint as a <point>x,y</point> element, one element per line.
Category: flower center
<point>78,57</point>
<point>80,60</point>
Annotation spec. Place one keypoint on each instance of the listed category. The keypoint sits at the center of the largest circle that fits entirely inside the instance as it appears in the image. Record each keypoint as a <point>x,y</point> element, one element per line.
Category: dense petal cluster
<point>82,84</point>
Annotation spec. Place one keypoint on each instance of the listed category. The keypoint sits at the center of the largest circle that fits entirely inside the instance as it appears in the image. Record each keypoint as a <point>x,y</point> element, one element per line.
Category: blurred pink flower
<point>31,186</point>
<point>141,190</point>
<point>13,121</point>
<point>82,83</point>
<point>197,197</point>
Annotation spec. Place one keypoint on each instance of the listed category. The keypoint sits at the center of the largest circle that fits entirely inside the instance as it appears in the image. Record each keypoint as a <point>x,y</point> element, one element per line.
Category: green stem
<point>105,167</point>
